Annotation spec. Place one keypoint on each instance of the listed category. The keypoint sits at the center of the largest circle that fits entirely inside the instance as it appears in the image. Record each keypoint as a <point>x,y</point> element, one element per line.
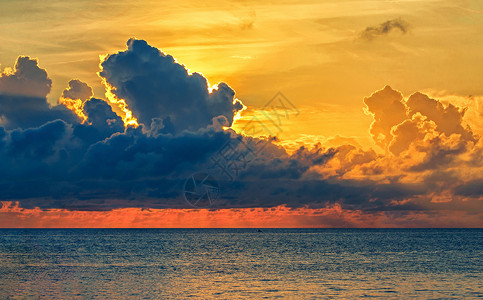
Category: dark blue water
<point>240,263</point>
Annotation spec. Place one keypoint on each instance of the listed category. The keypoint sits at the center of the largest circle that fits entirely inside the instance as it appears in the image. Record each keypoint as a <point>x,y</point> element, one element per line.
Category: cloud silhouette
<point>154,85</point>
<point>385,28</point>
<point>23,92</point>
<point>78,90</point>
<point>81,155</point>
<point>26,79</point>
<point>388,110</point>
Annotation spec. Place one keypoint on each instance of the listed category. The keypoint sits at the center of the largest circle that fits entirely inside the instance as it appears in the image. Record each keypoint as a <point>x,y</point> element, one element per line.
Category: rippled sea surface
<point>240,263</point>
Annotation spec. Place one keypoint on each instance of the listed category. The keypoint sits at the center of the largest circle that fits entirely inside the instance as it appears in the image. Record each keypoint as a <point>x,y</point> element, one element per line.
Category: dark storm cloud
<point>154,85</point>
<point>385,28</point>
<point>59,164</point>
<point>51,158</point>
<point>135,155</point>
<point>101,123</point>
<point>26,112</point>
<point>473,188</point>
<point>366,195</point>
<point>23,102</point>
<point>37,143</point>
<point>287,167</point>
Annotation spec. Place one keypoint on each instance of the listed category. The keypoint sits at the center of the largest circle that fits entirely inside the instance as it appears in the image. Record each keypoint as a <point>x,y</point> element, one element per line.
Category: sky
<point>300,113</point>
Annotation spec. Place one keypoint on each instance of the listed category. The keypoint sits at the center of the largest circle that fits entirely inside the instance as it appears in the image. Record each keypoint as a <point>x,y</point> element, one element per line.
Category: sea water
<point>240,263</point>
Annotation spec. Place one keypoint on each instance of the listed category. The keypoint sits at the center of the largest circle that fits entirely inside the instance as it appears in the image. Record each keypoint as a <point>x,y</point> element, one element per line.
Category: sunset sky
<point>108,107</point>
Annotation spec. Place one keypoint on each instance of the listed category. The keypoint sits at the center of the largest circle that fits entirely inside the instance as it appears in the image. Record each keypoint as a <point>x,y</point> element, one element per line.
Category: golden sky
<point>315,52</point>
<point>358,74</point>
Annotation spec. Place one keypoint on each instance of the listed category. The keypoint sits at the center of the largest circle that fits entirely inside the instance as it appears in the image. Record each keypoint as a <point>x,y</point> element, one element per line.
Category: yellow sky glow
<point>312,51</point>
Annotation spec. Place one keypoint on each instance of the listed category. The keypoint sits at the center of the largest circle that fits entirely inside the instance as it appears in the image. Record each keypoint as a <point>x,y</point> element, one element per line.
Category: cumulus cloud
<point>23,93</point>
<point>154,85</point>
<point>388,110</point>
<point>101,123</point>
<point>448,119</point>
<point>78,90</point>
<point>74,97</point>
<point>398,123</point>
<point>82,155</point>
<point>385,28</point>
<point>26,79</point>
<point>78,153</point>
<point>404,134</point>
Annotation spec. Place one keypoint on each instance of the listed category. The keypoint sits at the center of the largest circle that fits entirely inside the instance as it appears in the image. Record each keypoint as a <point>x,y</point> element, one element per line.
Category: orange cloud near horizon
<point>14,216</point>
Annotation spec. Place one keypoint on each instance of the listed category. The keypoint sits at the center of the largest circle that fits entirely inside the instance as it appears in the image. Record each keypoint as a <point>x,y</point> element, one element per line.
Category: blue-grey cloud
<point>77,90</point>
<point>26,79</point>
<point>50,157</point>
<point>154,85</point>
<point>23,102</point>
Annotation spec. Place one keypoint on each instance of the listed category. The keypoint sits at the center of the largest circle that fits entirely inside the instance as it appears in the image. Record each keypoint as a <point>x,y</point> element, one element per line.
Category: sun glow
<point>128,118</point>
<point>238,115</point>
<point>76,106</point>
<point>12,215</point>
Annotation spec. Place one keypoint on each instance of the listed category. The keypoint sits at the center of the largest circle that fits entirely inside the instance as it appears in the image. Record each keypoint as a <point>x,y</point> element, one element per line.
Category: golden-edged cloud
<point>80,155</point>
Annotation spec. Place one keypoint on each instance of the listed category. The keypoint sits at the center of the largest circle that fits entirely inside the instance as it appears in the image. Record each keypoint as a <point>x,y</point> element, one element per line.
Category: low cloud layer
<point>82,155</point>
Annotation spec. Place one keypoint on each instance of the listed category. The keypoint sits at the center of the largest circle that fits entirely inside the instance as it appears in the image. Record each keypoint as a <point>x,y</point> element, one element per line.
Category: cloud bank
<point>82,155</point>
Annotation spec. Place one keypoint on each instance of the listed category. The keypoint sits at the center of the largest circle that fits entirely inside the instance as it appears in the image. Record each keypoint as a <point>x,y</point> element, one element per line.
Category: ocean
<point>241,263</point>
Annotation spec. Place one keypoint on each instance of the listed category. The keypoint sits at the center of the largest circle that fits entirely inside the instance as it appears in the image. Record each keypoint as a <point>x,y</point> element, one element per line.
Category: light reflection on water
<point>237,263</point>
